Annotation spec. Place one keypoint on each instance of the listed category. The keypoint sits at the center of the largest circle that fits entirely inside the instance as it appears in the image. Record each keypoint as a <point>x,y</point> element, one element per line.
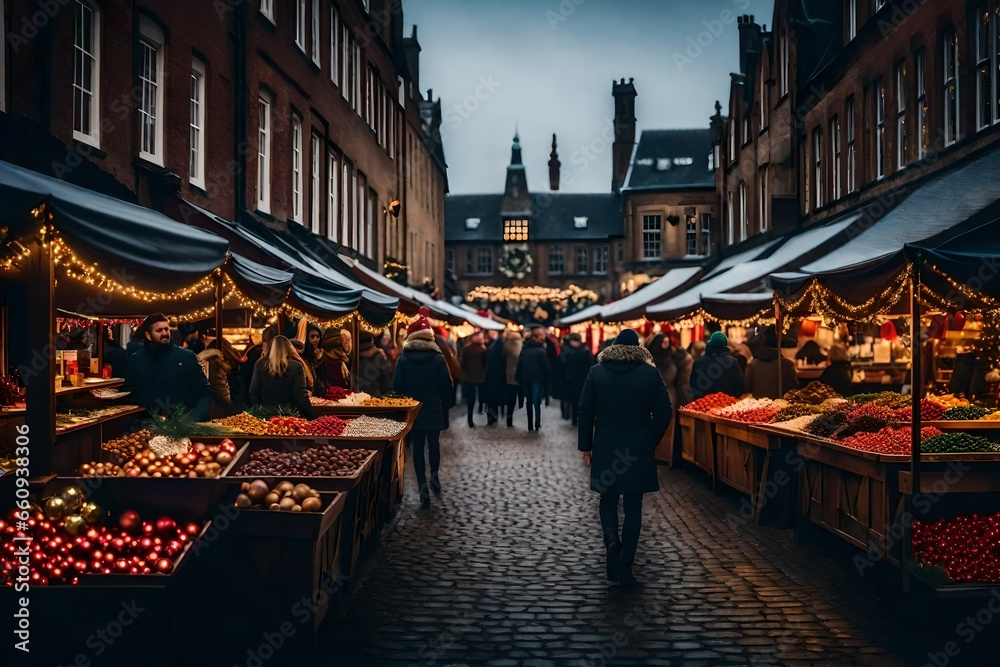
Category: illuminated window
<point>515,230</point>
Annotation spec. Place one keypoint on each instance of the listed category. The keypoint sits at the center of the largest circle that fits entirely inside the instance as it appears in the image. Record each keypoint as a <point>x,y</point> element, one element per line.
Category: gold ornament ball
<point>90,513</point>
<point>74,497</point>
<point>55,508</point>
<point>74,524</point>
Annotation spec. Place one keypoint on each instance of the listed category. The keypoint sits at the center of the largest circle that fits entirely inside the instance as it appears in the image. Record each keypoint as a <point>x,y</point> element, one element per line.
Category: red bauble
<point>146,543</point>
<point>192,529</point>
<point>148,528</point>
<point>121,565</point>
<point>166,527</point>
<point>118,544</point>
<point>130,522</point>
<point>164,565</point>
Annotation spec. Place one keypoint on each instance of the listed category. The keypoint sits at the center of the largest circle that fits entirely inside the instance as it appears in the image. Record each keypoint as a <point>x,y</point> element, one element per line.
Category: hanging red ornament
<point>958,322</point>
<point>939,327</point>
<point>888,331</point>
<point>808,328</point>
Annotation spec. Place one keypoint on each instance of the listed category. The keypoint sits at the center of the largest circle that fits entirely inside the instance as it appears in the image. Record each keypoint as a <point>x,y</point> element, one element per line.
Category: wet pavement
<point>505,569</point>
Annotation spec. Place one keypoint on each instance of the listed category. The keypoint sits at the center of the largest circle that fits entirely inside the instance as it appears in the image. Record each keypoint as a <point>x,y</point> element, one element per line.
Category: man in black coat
<point>163,376</point>
<point>717,370</point>
<point>422,373</point>
<point>495,387</point>
<point>624,412</point>
<point>533,373</point>
<point>576,362</point>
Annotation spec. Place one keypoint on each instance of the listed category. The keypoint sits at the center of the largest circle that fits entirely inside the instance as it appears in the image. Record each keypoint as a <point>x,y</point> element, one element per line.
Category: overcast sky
<point>548,65</point>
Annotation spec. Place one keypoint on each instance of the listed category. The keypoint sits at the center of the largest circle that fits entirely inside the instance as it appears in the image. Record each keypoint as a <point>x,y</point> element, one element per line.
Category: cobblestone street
<point>506,569</point>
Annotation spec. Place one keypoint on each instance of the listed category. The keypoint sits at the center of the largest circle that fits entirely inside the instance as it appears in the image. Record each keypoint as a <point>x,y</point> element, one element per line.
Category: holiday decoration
<point>516,263</point>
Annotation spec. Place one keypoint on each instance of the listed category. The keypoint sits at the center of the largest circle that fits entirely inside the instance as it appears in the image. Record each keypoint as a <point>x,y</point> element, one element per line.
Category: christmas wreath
<point>516,263</point>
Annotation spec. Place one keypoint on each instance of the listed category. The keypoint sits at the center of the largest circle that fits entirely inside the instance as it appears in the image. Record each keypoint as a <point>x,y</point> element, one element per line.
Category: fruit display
<point>875,410</point>
<point>200,461</point>
<point>287,425</point>
<point>956,443</point>
<point>326,425</point>
<point>889,440</point>
<point>827,424</point>
<point>862,424</point>
<point>813,393</point>
<point>751,410</point>
<point>929,411</point>
<point>949,401</point>
<point>373,427</point>
<point>284,496</point>
<point>394,402</point>
<point>992,417</point>
<point>796,410</point>
<point>316,400</point>
<point>889,399</point>
<point>336,393</point>
<point>64,546</point>
<point>965,412</point>
<point>325,460</point>
<point>245,423</point>
<point>128,446</point>
<point>711,402</point>
<point>967,548</point>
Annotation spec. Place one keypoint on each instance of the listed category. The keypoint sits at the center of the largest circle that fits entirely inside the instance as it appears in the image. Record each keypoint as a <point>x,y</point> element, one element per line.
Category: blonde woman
<point>279,378</point>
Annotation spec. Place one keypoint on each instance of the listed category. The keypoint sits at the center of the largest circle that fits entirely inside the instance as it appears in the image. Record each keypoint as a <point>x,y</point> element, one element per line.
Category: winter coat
<point>532,364</point>
<point>624,412</point>
<point>675,366</point>
<point>762,374</point>
<point>333,373</point>
<point>227,399</point>
<point>511,352</point>
<point>717,371</point>
<point>576,363</point>
<point>838,375</point>
<point>495,385</point>
<point>450,358</point>
<point>375,374</point>
<point>422,373</point>
<point>472,359</point>
<point>246,370</point>
<point>118,358</point>
<point>163,378</point>
<point>287,389</point>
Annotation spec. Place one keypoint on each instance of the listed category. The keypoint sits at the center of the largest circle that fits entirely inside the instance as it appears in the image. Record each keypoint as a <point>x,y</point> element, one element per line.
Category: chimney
<point>412,48</point>
<point>624,94</point>
<point>554,165</point>
<point>750,39</point>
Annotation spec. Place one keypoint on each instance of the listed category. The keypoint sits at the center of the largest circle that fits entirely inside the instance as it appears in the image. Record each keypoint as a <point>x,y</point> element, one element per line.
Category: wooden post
<point>218,308</point>
<point>779,320</point>
<point>40,415</point>
<point>355,356</point>
<point>916,390</point>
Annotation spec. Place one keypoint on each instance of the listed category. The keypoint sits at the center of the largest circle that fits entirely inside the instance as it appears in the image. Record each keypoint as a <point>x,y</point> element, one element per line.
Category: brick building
<point>298,111</point>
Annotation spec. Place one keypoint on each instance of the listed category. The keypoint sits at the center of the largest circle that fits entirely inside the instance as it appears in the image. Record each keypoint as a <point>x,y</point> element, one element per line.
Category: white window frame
<point>371,203</point>
<point>582,260</point>
<point>987,65</point>
<point>151,39</point>
<point>851,120</point>
<point>744,211</point>
<point>315,33</point>
<point>484,261</point>
<point>297,168</point>
<point>920,64</point>
<point>332,199</point>
<point>652,236</point>
<point>316,169</point>
<point>267,9</point>
<point>852,19</point>
<point>600,257</point>
<point>691,232</point>
<point>345,62</point>
<point>356,213</point>
<point>557,260</point>
<point>264,144</point>
<point>356,99</point>
<point>300,24</point>
<point>783,72</point>
<point>730,219</point>
<point>196,135</point>
<point>880,139</point>
<point>93,136</point>
<point>732,140</point>
<point>951,94</point>
<point>817,146</point>
<point>835,158</point>
<point>901,147</point>
<point>334,45</point>
<point>706,235</point>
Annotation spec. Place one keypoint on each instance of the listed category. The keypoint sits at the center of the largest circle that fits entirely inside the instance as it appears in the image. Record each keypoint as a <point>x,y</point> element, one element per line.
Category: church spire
<point>515,150</point>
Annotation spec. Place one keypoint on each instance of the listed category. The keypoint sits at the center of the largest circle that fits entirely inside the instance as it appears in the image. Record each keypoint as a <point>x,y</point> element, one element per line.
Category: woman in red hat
<point>422,373</point>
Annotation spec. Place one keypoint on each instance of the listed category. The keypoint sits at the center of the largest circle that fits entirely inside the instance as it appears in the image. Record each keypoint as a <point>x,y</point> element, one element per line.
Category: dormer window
<point>515,230</point>
<point>580,222</point>
<point>472,223</point>
<point>662,164</point>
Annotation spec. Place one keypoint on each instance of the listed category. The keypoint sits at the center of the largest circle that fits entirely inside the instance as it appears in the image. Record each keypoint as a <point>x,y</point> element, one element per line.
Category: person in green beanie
<point>716,370</point>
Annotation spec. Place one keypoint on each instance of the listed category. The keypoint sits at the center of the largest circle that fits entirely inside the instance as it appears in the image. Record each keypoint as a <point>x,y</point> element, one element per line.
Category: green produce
<point>863,424</point>
<point>889,399</point>
<point>963,412</point>
<point>955,443</point>
<point>796,410</point>
<point>827,424</point>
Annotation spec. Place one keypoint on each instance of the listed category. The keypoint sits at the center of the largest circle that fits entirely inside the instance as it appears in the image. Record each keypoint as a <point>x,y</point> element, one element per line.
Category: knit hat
<point>626,337</point>
<point>367,343</point>
<point>332,340</point>
<point>420,327</point>
<point>718,339</point>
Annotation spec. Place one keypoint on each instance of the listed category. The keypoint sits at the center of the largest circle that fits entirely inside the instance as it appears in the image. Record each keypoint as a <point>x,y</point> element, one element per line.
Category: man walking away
<point>624,412</point>
<point>472,358</point>
<point>576,361</point>
<point>533,373</point>
<point>511,353</point>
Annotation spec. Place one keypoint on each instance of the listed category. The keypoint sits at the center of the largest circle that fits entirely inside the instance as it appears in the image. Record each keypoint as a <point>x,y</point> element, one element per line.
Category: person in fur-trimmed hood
<point>624,412</point>
<point>422,373</point>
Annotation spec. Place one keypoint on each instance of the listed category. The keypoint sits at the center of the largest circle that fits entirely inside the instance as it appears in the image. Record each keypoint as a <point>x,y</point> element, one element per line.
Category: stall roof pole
<point>355,355</point>
<point>218,309</point>
<point>916,389</point>
<point>40,413</point>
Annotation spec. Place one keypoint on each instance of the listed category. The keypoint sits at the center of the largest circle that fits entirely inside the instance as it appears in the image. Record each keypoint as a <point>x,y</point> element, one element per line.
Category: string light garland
<point>699,317</point>
<point>817,299</point>
<point>493,294</point>
<point>981,301</point>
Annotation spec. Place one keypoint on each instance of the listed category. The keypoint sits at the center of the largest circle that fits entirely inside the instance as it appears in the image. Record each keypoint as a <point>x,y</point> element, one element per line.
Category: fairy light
<point>531,294</point>
<point>820,300</point>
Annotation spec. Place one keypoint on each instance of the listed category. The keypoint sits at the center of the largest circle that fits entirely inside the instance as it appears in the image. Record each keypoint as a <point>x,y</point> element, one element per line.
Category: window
<point>879,4</point>
<point>345,193</point>
<point>581,260</point>
<point>852,19</point>
<point>950,97</point>
<point>783,69</point>
<point>850,144</point>
<point>332,212</point>
<point>600,260</point>
<point>484,261</point>
<point>765,103</point>
<point>370,224</point>
<point>345,62</point>
<point>267,9</point>
<point>835,158</point>
<point>264,153</point>
<point>356,60</point>
<point>651,232</point>
<point>732,140</point>
<point>86,73</point>
<point>357,211</point>
<point>296,169</point>
<point>730,219</point>
<point>901,158</point>
<point>706,233</point>
<point>746,126</point>
<point>315,174</point>
<point>557,260</point>
<point>880,156</point>
<point>196,165</point>
<point>515,230</point>
<point>449,260</point>
<point>919,63</point>
<point>764,204</point>
<point>315,32</point>
<point>987,65</point>
<point>300,24</point>
<point>691,228</point>
<point>334,46</point>
<point>817,194</point>
<point>151,92</point>
<point>744,218</point>
<point>468,261</point>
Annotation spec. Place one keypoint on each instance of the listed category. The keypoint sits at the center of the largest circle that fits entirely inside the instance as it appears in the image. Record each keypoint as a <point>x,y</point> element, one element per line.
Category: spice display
<point>827,424</point>
<point>326,425</point>
<point>956,443</point>
<point>862,424</point>
<point>929,412</point>
<point>128,446</point>
<point>814,393</point>
<point>284,496</point>
<point>325,460</point>
<point>373,427</point>
<point>244,423</point>
<point>949,401</point>
<point>963,412</point>
<point>888,440</point>
<point>888,399</point>
<point>967,548</point>
<point>796,410</point>
<point>872,410</point>
<point>711,402</point>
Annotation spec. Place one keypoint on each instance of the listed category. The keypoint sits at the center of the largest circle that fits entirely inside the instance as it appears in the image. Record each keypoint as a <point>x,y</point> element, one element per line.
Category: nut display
<point>813,393</point>
<point>325,461</point>
<point>128,446</point>
<point>200,461</point>
<point>392,402</point>
<point>373,427</point>
<point>245,423</point>
<point>283,496</point>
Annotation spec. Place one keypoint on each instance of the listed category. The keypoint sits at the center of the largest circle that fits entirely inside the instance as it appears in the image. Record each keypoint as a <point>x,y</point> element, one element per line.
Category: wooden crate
<point>698,442</point>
